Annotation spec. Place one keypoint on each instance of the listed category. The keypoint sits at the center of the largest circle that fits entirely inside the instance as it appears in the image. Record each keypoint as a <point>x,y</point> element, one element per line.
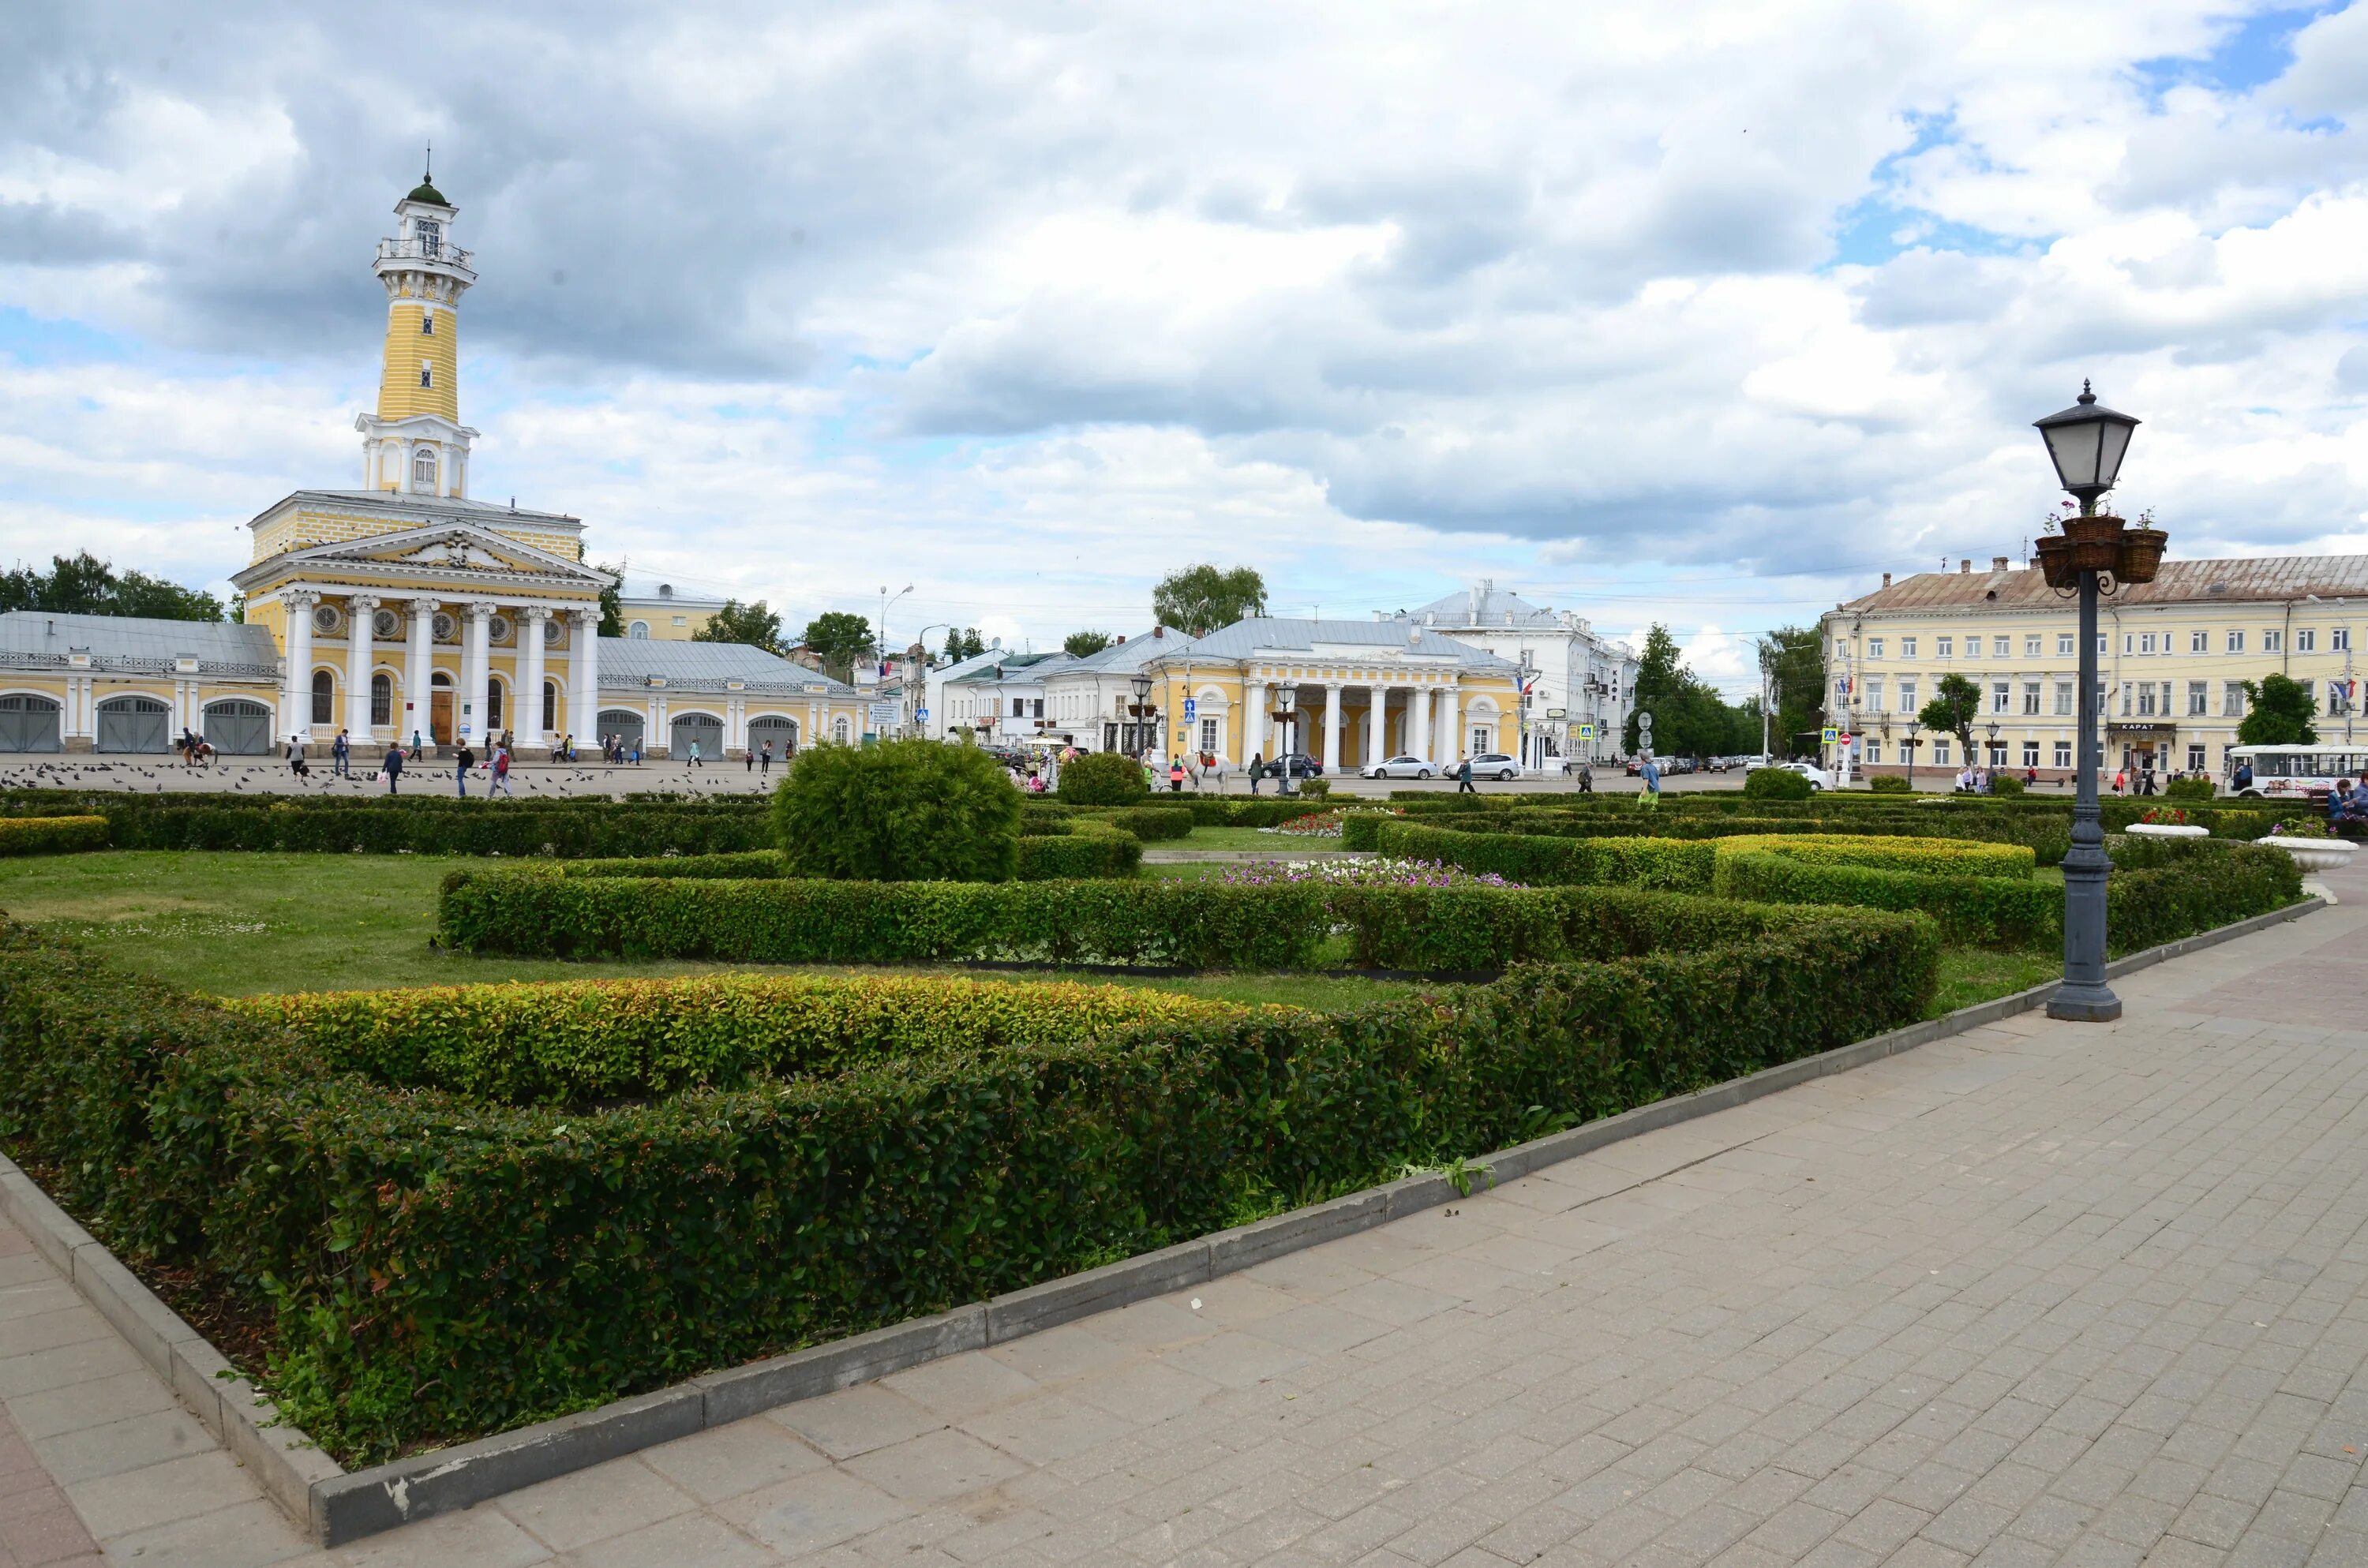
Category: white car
<point>1496,765</point>
<point>1401,767</point>
<point>1817,776</point>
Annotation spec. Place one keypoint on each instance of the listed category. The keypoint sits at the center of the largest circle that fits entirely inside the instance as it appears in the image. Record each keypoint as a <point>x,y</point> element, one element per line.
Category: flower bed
<point>441,1254</point>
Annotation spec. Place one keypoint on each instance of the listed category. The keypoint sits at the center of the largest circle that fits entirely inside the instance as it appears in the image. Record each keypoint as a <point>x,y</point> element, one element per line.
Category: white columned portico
<point>477,675</point>
<point>296,700</point>
<point>361,610</point>
<point>528,698</point>
<point>1332,727</point>
<point>1254,700</point>
<point>1418,724</point>
<point>1377,724</point>
<point>417,657</point>
<point>584,669</point>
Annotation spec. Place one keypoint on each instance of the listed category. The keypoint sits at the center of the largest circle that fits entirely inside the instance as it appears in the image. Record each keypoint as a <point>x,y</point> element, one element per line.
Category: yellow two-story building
<point>2173,658</point>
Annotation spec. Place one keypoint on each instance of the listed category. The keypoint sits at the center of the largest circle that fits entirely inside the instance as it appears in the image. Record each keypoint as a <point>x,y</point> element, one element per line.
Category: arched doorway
<point>134,724</point>
<point>782,733</point>
<point>625,723</point>
<point>238,728</point>
<point>30,723</point>
<point>705,730</point>
<point>439,709</point>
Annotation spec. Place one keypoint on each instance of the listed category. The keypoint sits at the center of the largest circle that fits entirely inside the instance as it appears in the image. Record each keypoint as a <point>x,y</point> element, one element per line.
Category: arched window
<point>428,323</point>
<point>423,468</point>
<point>427,374</point>
<point>382,699</point>
<point>492,708</point>
<point>639,629</point>
<point>551,705</point>
<point>839,729</point>
<point>324,697</point>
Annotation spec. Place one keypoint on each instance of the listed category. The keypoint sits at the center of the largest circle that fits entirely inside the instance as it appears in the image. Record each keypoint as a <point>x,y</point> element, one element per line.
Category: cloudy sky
<point>1698,311</point>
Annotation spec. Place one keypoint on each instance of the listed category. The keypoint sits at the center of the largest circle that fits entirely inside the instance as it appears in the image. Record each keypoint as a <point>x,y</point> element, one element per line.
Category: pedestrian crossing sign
<point>1831,734</point>
<point>1587,732</point>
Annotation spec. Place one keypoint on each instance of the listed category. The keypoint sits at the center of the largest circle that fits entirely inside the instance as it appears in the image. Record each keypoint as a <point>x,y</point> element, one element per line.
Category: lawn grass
<point>1976,974</point>
<point>1244,838</point>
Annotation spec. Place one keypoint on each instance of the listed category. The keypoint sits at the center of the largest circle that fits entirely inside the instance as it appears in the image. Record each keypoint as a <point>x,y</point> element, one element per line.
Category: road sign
<point>883,716</point>
<point>1192,708</point>
<point>1587,732</point>
<point>1830,735</point>
<point>920,715</point>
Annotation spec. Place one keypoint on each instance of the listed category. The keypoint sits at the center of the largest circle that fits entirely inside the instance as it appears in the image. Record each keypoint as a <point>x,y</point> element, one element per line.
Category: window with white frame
<point>2199,699</point>
<point>2199,642</point>
<point>2146,643</point>
<point>2127,697</point>
<point>2031,697</point>
<point>1907,647</point>
<point>423,468</point>
<point>1940,751</point>
<point>2064,649</point>
<point>2232,700</point>
<point>1999,698</point>
<point>1874,693</point>
<point>2030,646</point>
<point>2064,753</point>
<point>2339,640</point>
<point>1946,647</point>
<point>2165,709</point>
<point>2130,643</point>
<point>1998,646</point>
<point>2306,639</point>
<point>2030,754</point>
<point>2064,699</point>
<point>2235,642</point>
<point>1874,647</point>
<point>427,324</point>
<point>2145,699</point>
<point>1908,697</point>
<point>2195,756</point>
<point>427,374</point>
<point>1484,739</point>
<point>1209,738</point>
<point>2272,642</point>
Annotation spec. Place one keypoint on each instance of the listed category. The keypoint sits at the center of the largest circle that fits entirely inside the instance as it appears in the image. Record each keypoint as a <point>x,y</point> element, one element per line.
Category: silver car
<point>1496,765</point>
<point>1401,767</point>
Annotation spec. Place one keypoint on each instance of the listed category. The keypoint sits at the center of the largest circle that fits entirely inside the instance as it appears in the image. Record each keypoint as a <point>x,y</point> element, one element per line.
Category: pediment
<point>446,550</point>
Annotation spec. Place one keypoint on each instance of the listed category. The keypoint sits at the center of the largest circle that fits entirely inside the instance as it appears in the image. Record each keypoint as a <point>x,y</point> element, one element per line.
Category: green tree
<point>1956,703</point>
<point>963,644</point>
<point>83,585</point>
<point>1102,779</point>
<point>1199,599</point>
<point>839,638</point>
<point>735,623</point>
<point>1792,662</point>
<point>2278,712</point>
<point>1080,645</point>
<point>898,811</point>
<point>612,603</point>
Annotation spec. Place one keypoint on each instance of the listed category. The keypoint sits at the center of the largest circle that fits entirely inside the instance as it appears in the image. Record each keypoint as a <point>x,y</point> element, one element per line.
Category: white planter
<point>2315,854</point>
<point>2165,830</point>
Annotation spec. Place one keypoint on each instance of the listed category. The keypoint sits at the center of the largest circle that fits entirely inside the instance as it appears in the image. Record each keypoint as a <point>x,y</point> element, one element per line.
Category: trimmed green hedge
<point>1994,912</point>
<point>437,1265</point>
<point>1669,865</point>
<point>51,835</point>
<point>484,828</point>
<point>1110,853</point>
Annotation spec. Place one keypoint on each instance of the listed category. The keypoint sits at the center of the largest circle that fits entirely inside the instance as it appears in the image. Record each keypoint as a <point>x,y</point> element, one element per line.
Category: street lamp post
<point>2087,443</point>
<point>1287,696</point>
<point>1141,713</point>
<point>1915,728</point>
<point>1991,762</point>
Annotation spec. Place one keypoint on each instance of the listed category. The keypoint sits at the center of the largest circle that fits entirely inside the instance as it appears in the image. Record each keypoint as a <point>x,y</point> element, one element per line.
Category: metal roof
<point>707,666</point>
<point>1482,606</point>
<point>2273,578</point>
<point>40,639</point>
<point>403,502</point>
<point>1244,638</point>
<point>640,587</point>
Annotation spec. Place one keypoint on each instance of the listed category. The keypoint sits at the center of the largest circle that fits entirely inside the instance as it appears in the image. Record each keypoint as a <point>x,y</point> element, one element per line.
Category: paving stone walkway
<point>2040,1294</point>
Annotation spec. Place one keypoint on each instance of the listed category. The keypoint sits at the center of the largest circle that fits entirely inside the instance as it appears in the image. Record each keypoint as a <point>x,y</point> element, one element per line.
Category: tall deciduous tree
<point>612,603</point>
<point>1199,599</point>
<point>1792,662</point>
<point>735,623</point>
<point>838,638</point>
<point>1690,718</point>
<point>1957,702</point>
<point>83,585</point>
<point>2278,712</point>
<point>1080,645</point>
<point>965,643</point>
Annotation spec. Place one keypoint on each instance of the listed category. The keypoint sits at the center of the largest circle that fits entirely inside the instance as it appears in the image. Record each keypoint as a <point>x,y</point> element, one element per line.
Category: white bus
<point>2297,771</point>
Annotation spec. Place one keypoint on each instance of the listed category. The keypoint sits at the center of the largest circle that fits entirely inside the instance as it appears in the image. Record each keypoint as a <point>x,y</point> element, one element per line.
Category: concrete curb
<point>341,1505</point>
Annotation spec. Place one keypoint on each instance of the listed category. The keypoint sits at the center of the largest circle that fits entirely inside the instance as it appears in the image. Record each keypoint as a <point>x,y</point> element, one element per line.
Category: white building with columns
<point>1578,684</point>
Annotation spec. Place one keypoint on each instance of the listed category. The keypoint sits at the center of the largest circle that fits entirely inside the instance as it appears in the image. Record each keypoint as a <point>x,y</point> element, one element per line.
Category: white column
<point>584,672</point>
<point>1254,701</point>
<point>1332,728</point>
<point>1418,722</point>
<point>529,723</point>
<point>1377,726</point>
<point>360,636</point>
<point>1453,698</point>
<point>296,715</point>
<point>418,658</point>
<point>477,675</point>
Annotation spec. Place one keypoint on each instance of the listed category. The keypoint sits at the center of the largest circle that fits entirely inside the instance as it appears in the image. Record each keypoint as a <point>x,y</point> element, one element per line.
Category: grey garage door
<point>239,729</point>
<point>708,731</point>
<point>135,723</point>
<point>782,733</point>
<point>29,723</point>
<point>623,722</point>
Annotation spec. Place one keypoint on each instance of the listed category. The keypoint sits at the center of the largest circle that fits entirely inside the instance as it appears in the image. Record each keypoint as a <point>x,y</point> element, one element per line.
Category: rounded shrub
<point>2187,790</point>
<point>1102,779</point>
<point>1890,784</point>
<point>1775,784</point>
<point>2006,783</point>
<point>901,812</point>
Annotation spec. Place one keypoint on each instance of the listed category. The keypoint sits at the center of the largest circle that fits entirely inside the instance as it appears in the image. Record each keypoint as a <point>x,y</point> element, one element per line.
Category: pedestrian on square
<point>765,761</point>
<point>694,761</point>
<point>1586,780</point>
<point>1257,770</point>
<point>1650,776</point>
<point>2120,781</point>
<point>341,753</point>
<point>391,766</point>
<point>462,762</point>
<point>637,751</point>
<point>501,784</point>
<point>1176,776</point>
<point>748,759</point>
<point>1463,778</point>
<point>567,747</point>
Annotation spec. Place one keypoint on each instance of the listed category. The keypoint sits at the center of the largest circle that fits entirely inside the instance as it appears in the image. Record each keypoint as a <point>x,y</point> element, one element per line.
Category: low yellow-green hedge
<point>51,835</point>
<point>1925,857</point>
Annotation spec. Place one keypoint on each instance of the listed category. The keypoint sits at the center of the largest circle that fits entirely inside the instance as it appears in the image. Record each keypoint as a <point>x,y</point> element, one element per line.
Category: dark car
<point>1302,766</point>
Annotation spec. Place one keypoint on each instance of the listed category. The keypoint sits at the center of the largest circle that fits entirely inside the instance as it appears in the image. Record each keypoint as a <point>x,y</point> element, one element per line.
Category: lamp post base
<point>2085,1005</point>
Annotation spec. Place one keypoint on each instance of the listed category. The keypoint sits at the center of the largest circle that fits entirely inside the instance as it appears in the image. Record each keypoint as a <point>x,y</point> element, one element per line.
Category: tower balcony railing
<point>435,251</point>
